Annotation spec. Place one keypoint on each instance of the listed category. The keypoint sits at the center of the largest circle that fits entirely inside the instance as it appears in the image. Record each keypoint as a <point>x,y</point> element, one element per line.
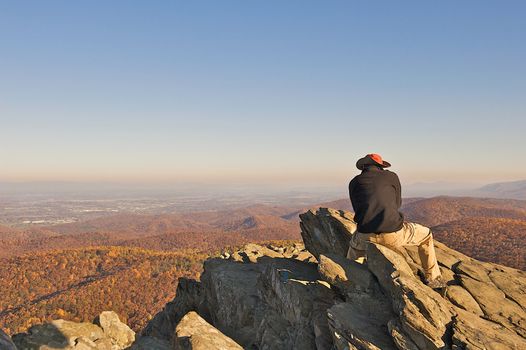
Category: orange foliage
<point>497,240</point>
<point>78,284</point>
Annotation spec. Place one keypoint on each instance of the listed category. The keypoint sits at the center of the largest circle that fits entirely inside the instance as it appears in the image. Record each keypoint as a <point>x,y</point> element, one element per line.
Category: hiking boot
<point>437,283</point>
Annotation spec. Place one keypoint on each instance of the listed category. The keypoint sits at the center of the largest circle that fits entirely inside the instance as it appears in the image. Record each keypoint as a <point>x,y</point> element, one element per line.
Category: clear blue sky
<point>261,91</point>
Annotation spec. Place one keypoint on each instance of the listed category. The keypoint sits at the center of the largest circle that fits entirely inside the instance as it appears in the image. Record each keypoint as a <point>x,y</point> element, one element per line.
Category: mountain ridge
<point>509,189</point>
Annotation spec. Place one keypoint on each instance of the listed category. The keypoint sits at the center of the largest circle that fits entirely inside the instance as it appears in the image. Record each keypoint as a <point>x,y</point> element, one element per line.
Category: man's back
<point>376,198</point>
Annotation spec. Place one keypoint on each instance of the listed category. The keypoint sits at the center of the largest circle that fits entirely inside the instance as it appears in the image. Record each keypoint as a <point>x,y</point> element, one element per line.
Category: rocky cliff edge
<point>309,296</point>
<point>312,297</point>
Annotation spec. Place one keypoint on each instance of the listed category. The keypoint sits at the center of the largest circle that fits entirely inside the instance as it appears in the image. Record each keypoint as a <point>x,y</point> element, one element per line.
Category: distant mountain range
<point>508,190</point>
<point>512,190</point>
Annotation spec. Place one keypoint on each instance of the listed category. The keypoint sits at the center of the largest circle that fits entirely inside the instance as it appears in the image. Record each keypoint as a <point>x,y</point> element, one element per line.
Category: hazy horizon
<point>261,94</point>
<point>144,189</point>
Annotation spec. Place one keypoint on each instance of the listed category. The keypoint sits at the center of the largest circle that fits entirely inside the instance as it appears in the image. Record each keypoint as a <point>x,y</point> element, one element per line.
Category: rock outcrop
<point>194,333</point>
<point>5,342</point>
<point>312,297</point>
<point>327,231</point>
<point>121,335</point>
<point>262,297</point>
<point>107,333</point>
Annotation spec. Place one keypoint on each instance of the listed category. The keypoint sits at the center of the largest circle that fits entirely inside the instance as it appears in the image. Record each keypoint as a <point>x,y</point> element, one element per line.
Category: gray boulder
<point>150,343</point>
<point>194,333</point>
<point>119,333</point>
<point>327,231</point>
<point>62,334</point>
<point>5,341</point>
<point>347,276</point>
<point>262,297</point>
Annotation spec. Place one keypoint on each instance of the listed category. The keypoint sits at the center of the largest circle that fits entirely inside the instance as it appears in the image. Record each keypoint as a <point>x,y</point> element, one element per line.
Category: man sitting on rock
<point>376,196</point>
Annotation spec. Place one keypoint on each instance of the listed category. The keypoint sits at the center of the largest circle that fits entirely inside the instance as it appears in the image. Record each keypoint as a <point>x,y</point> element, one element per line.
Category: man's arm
<point>398,188</point>
<point>351,186</point>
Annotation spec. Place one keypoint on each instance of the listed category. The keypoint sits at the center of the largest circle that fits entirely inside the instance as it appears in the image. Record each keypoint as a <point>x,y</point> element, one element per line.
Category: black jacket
<point>376,197</point>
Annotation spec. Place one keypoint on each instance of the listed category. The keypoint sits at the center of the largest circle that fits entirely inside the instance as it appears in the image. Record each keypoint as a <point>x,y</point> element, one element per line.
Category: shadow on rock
<point>106,333</point>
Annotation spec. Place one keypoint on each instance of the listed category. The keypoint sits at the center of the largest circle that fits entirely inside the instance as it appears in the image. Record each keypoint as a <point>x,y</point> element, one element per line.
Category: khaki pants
<point>410,234</point>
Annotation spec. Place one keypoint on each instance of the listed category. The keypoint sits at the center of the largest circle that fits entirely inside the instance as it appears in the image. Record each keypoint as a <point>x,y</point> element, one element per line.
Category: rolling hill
<point>147,225</point>
<point>167,232</point>
<point>439,210</point>
<point>491,239</point>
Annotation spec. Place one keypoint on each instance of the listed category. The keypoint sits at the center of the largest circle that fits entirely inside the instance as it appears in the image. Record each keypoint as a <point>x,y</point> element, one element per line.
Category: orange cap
<point>377,158</point>
<point>369,159</point>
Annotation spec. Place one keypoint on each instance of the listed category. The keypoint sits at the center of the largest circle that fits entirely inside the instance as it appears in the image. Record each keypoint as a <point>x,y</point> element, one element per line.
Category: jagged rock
<point>286,298</point>
<point>120,334</point>
<point>105,344</point>
<point>346,275</point>
<point>304,256</point>
<point>62,334</point>
<point>150,343</point>
<point>230,293</point>
<point>189,297</point>
<point>448,276</point>
<point>424,315</point>
<point>511,283</point>
<point>473,270</point>
<point>291,290</point>
<point>5,342</point>
<point>265,301</point>
<point>448,257</point>
<point>83,343</point>
<point>425,319</point>
<point>195,333</point>
<point>251,252</point>
<point>461,298</point>
<point>495,305</point>
<point>361,321</point>
<point>401,340</point>
<point>248,301</point>
<point>472,332</point>
<point>327,231</point>
<point>358,325</point>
